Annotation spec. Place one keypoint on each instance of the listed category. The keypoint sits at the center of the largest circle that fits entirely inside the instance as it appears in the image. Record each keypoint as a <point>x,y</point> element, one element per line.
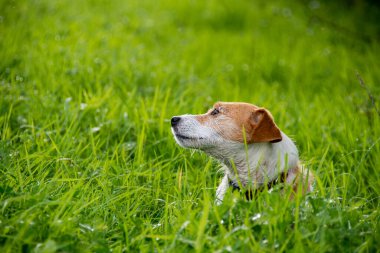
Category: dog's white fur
<point>252,164</point>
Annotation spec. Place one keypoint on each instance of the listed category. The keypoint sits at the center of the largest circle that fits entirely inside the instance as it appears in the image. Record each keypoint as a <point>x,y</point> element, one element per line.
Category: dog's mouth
<point>180,136</point>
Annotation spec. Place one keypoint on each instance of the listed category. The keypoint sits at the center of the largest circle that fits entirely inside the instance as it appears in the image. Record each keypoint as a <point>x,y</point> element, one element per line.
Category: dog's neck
<point>256,163</point>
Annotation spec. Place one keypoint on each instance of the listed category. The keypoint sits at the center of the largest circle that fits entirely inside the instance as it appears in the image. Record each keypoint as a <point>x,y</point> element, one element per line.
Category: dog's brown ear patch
<point>263,127</point>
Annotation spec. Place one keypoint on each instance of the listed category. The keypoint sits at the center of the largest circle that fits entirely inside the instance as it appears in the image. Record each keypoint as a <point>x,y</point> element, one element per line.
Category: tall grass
<point>87,89</point>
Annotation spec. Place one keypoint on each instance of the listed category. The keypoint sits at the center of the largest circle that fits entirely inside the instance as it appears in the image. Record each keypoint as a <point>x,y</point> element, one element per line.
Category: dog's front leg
<point>222,188</point>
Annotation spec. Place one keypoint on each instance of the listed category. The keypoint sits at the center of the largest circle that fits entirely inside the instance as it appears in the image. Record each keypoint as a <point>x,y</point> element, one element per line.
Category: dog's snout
<point>175,121</point>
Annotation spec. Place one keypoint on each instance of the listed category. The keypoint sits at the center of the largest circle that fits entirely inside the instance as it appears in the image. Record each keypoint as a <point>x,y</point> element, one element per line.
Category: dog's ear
<point>263,127</point>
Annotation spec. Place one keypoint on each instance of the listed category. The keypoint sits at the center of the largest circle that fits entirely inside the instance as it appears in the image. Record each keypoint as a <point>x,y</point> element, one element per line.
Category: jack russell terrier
<point>244,137</point>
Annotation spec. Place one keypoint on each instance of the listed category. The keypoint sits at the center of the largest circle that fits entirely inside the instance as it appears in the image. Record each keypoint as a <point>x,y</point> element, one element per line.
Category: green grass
<point>87,89</point>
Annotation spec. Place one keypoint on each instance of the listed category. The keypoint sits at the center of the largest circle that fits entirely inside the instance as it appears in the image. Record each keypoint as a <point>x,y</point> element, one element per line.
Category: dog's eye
<point>215,112</point>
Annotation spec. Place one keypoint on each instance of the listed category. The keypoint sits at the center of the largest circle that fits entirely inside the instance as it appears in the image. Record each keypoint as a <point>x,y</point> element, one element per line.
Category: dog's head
<point>225,122</point>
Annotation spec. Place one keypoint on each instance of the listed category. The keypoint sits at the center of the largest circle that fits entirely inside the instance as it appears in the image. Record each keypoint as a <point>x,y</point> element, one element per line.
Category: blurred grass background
<point>87,89</point>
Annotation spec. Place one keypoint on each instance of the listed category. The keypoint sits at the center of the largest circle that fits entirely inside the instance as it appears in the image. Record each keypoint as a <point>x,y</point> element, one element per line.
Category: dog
<point>255,153</point>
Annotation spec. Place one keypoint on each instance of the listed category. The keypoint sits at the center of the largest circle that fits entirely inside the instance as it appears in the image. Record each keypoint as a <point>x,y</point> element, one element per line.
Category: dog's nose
<point>175,121</point>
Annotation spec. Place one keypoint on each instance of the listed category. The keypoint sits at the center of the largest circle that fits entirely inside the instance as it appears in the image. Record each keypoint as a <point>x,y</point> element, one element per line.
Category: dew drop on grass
<point>228,248</point>
<point>129,145</point>
<point>58,222</point>
<point>184,225</point>
<point>64,159</point>
<point>21,120</point>
<point>66,105</point>
<point>256,217</point>
<point>237,228</point>
<point>95,129</point>
<point>14,154</point>
<point>86,227</point>
<point>19,78</point>
<point>47,246</point>
<point>156,225</point>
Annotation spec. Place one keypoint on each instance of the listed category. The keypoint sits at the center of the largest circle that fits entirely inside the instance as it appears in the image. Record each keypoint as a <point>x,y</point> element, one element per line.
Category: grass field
<point>87,90</point>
